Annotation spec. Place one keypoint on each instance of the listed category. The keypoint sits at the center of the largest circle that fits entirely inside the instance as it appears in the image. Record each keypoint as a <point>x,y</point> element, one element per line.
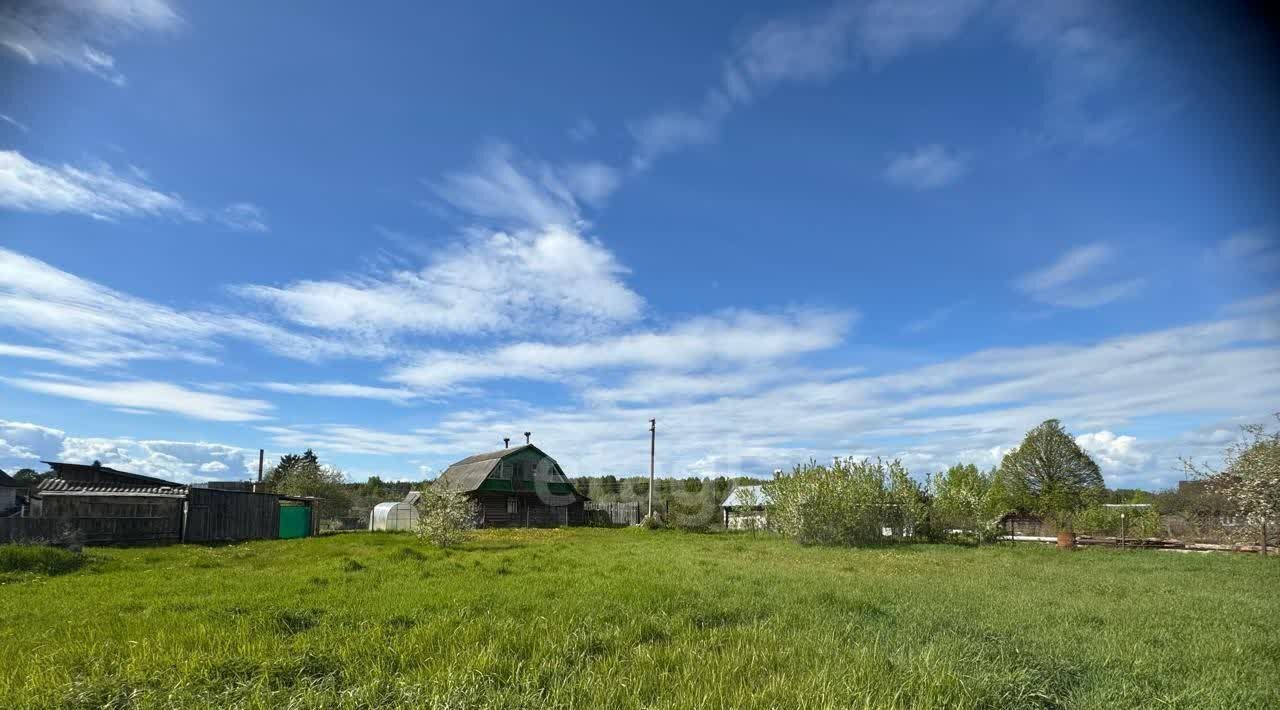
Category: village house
<point>519,486</point>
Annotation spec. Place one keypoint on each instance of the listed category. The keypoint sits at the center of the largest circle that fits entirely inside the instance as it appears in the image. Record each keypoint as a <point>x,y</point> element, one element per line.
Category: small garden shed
<point>520,486</point>
<point>744,508</point>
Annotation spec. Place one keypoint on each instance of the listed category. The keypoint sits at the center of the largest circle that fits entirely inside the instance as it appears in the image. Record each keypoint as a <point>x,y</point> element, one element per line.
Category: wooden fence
<point>614,513</point>
<point>33,530</point>
<point>214,514</point>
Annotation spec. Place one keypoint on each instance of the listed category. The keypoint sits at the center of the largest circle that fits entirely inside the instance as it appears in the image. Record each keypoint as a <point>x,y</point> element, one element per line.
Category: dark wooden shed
<point>519,486</point>
<point>107,506</point>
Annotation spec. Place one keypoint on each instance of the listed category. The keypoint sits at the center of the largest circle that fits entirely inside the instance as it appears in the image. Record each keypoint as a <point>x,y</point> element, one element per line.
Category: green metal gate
<point>295,521</point>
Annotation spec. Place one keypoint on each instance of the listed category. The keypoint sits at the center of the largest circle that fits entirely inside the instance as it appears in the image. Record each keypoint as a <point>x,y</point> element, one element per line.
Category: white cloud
<point>1267,302</point>
<point>970,408</point>
<point>582,130</point>
<point>95,325</point>
<point>71,32</point>
<point>592,181</point>
<point>552,279</point>
<point>14,122</point>
<point>676,129</point>
<point>244,217</point>
<point>60,357</point>
<point>25,445</point>
<point>735,337</point>
<point>148,396</point>
<point>926,168</point>
<point>102,193</point>
<point>340,389</point>
<point>890,28</point>
<point>1114,452</point>
<point>1072,280</point>
<point>1249,251</point>
<point>99,192</point>
<point>1085,55</point>
<point>515,192</point>
<point>802,49</point>
<point>934,319</point>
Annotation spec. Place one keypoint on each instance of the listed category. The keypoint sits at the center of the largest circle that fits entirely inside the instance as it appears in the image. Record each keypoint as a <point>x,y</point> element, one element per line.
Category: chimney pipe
<point>526,437</point>
<point>506,442</point>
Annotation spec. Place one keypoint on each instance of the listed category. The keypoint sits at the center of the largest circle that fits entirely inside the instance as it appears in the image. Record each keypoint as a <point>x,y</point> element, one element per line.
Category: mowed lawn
<point>595,618</point>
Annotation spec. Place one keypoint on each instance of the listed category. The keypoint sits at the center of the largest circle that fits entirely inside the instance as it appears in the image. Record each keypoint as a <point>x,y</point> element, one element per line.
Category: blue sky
<point>399,234</point>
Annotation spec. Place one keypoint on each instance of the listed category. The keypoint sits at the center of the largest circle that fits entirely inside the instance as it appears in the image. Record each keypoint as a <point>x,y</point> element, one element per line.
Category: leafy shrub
<point>39,559</point>
<point>850,503</point>
<point>446,516</point>
<point>1136,523</point>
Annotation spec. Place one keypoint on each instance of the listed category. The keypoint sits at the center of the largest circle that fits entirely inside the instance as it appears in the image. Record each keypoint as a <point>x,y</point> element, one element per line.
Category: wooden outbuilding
<point>520,486</point>
<point>8,494</point>
<point>107,506</point>
<point>745,508</point>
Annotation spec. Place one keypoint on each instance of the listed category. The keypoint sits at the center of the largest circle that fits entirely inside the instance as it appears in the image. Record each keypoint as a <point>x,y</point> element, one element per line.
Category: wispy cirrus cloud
<point>243,217</point>
<point>100,326</point>
<point>14,122</point>
<point>101,192</point>
<point>973,407</point>
<point>98,192</point>
<point>734,337</point>
<point>1252,250</point>
<point>148,396</point>
<point>344,390</point>
<point>75,34</point>
<point>926,168</point>
<point>808,48</point>
<point>550,280</point>
<point>1072,281</point>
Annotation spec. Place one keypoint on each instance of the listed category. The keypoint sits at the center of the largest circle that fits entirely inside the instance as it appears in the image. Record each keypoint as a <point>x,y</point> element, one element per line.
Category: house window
<point>512,506</point>
<point>504,471</point>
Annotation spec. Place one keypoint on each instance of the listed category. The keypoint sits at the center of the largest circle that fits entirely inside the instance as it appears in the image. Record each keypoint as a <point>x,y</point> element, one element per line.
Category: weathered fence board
<point>32,529</point>
<point>231,515</point>
<point>614,513</point>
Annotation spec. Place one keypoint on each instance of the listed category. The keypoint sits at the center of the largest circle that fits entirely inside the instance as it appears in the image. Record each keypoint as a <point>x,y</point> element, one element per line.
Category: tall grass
<point>38,559</point>
<point>637,619</point>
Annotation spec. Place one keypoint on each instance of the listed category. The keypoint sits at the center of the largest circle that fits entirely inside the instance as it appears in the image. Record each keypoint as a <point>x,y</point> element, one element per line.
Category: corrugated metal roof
<point>59,486</point>
<point>61,466</point>
<point>739,496</point>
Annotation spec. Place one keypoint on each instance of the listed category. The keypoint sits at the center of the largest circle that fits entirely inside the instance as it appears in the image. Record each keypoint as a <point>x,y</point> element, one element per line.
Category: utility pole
<point>257,488</point>
<point>653,436</point>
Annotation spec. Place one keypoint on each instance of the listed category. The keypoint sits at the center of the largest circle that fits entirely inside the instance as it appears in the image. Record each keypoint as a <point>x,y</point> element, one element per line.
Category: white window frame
<point>513,505</point>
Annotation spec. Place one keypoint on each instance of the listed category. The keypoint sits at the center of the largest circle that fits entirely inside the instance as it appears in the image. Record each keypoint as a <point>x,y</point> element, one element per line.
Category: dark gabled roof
<point>7,481</point>
<point>60,468</point>
<point>467,475</point>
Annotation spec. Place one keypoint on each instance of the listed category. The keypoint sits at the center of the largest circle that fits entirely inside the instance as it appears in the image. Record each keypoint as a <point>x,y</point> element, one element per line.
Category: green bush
<point>39,559</point>
<point>850,503</point>
<point>1137,523</point>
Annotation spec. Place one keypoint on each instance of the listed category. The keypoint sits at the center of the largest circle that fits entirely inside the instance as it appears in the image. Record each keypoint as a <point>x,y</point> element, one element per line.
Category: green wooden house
<point>520,486</point>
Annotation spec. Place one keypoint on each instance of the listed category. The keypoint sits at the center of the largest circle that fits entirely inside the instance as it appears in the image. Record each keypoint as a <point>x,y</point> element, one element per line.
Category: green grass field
<point>596,618</point>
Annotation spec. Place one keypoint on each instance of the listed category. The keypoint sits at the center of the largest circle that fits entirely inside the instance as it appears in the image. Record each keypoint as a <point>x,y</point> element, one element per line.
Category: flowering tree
<point>963,495</point>
<point>446,516</point>
<point>848,503</point>
<point>1249,479</point>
